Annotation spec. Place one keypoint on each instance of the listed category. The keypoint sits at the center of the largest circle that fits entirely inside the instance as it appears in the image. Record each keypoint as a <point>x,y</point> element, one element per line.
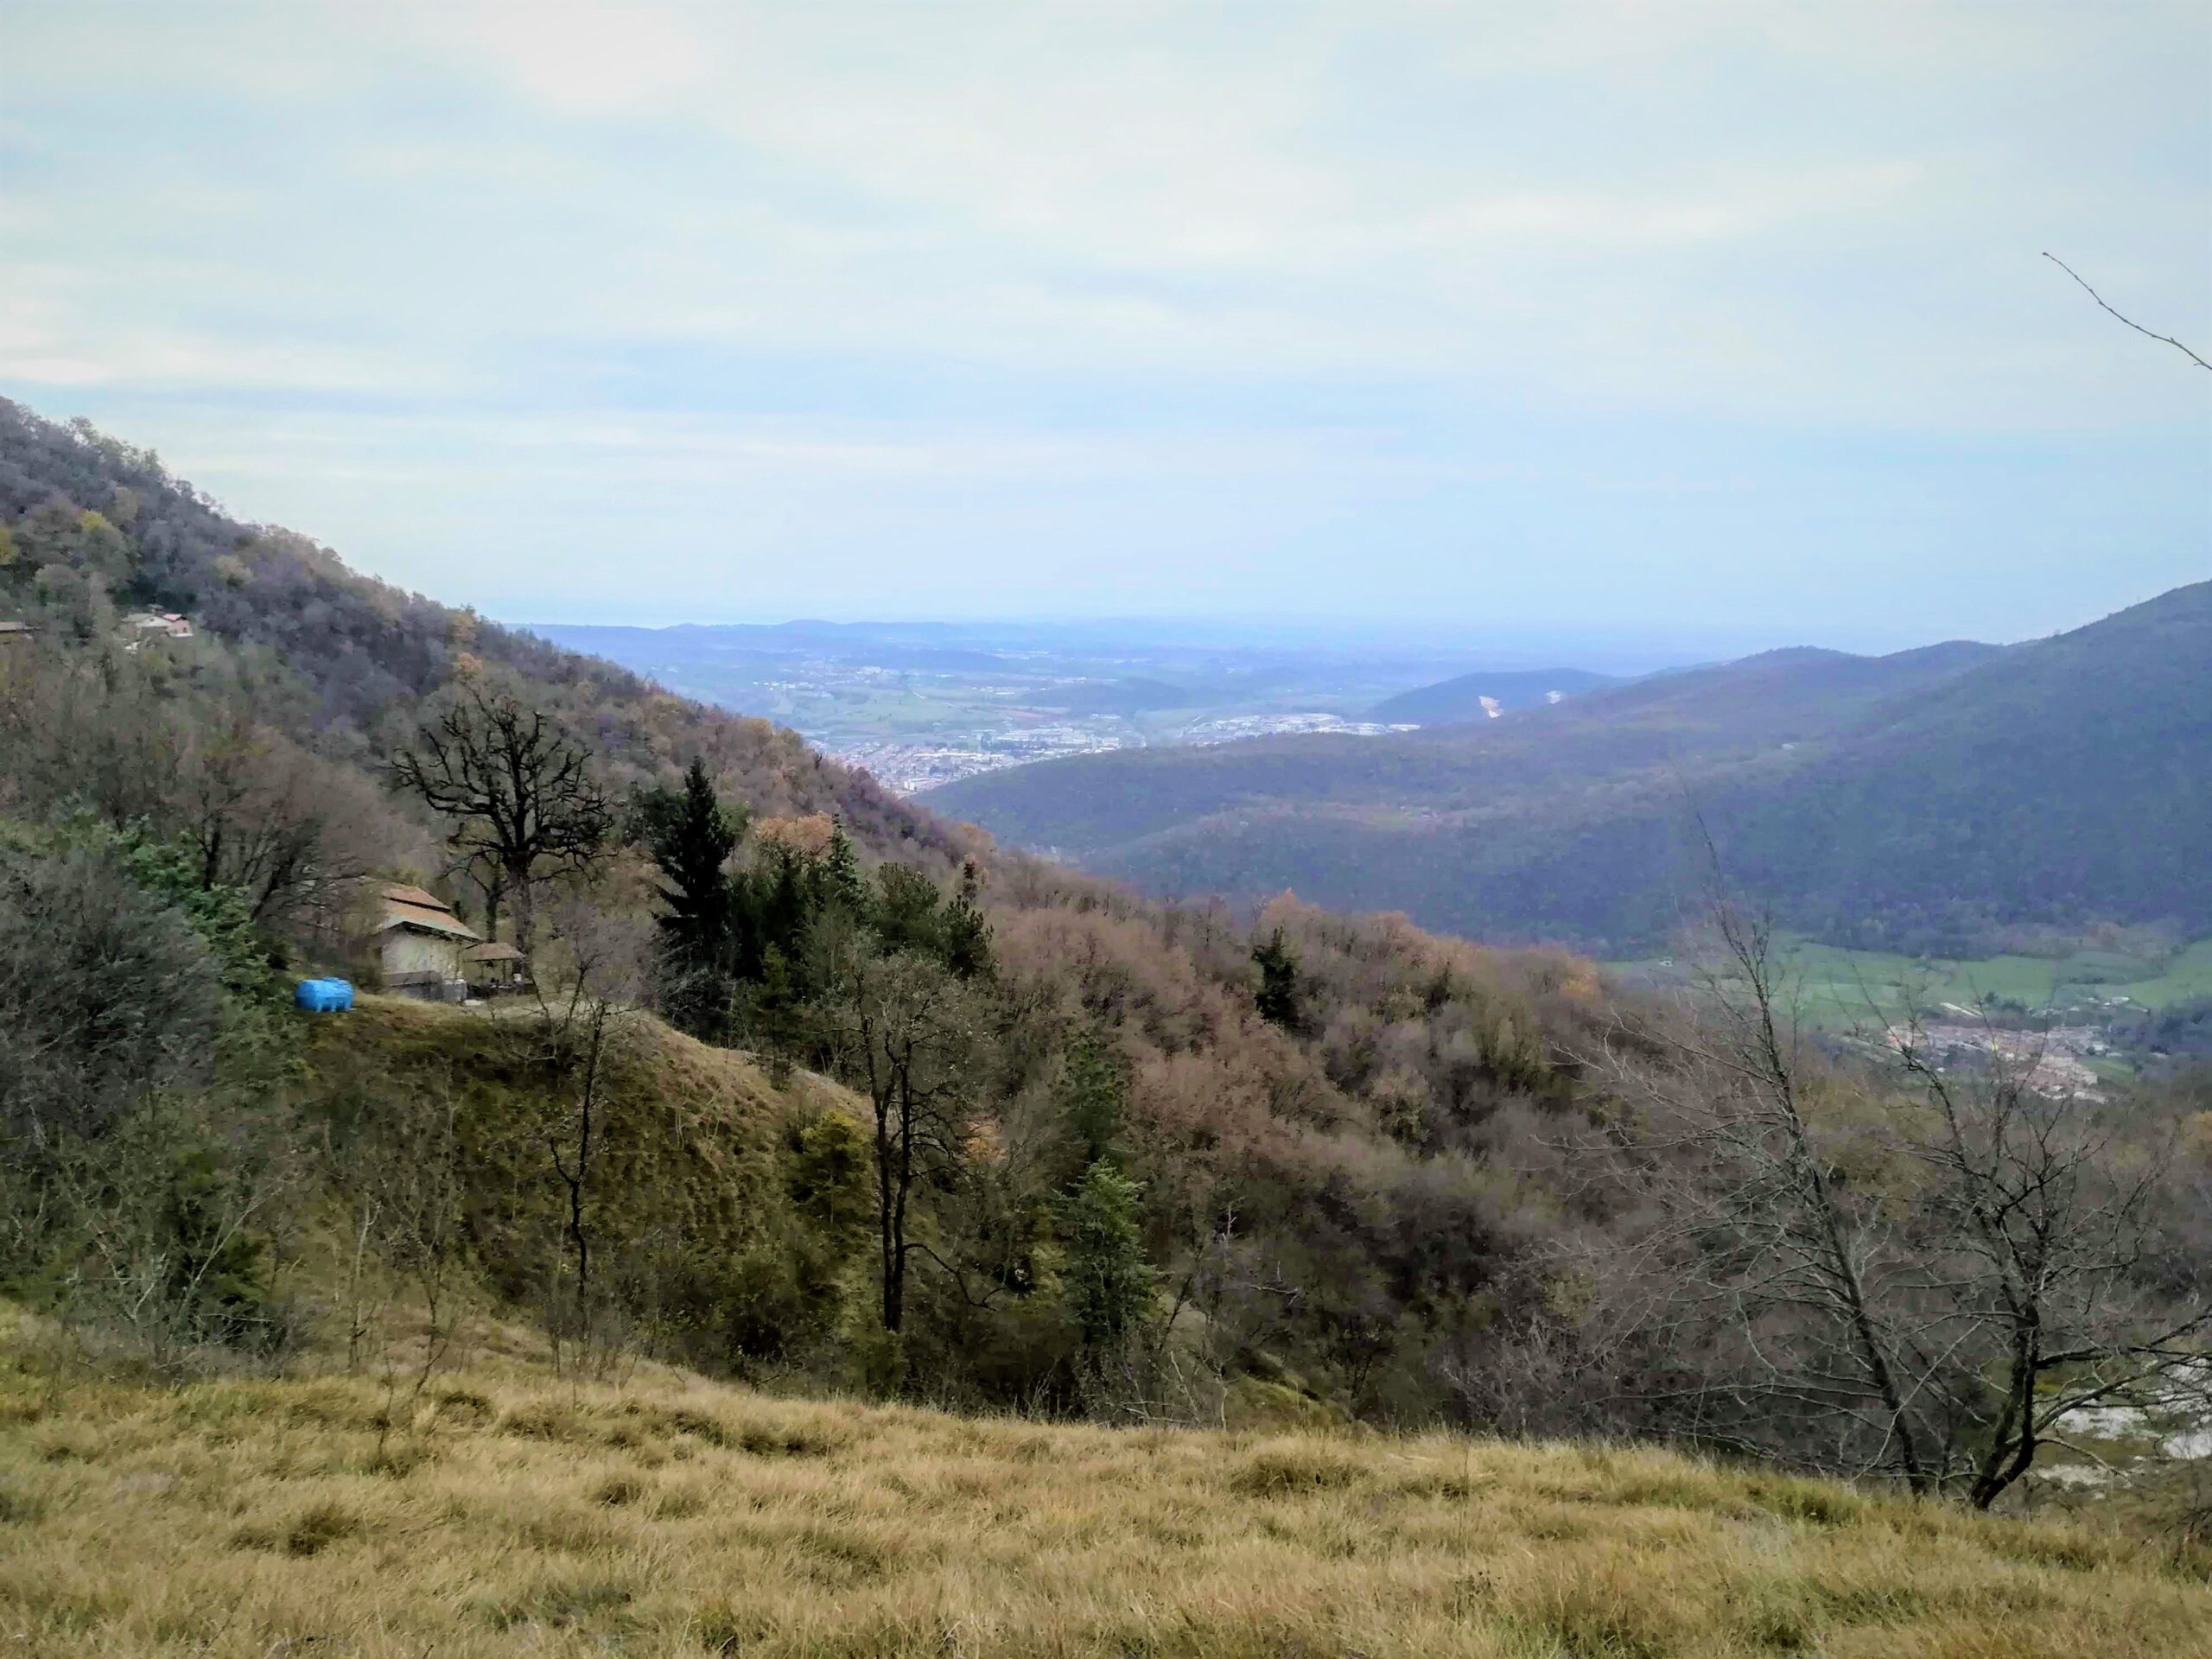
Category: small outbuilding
<point>419,943</point>
<point>493,966</point>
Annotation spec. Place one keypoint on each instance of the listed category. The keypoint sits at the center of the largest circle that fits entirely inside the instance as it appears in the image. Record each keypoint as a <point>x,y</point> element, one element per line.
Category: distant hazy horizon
<point>1504,644</point>
<point>1717,316</point>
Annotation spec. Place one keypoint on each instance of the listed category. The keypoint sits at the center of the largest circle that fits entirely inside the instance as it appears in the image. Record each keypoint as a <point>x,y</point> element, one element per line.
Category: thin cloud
<point>1180,290</point>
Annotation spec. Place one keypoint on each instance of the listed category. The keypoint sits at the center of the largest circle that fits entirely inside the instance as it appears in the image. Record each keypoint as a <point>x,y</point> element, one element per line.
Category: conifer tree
<point>1094,1087</point>
<point>691,836</point>
<point>1278,993</point>
<point>967,935</point>
<point>1110,1285</point>
<point>838,876</point>
<point>779,900</point>
<point>777,1019</point>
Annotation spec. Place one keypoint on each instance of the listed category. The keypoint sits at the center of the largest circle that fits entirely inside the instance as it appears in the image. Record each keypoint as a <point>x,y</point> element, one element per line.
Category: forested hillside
<point>886,1110</point>
<point>237,790</point>
<point>347,660</point>
<point>1919,801</point>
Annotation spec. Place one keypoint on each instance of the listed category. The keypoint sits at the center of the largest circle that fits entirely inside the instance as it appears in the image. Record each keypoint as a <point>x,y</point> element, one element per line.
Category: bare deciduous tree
<point>1923,1268</point>
<point>263,816</point>
<point>518,790</point>
<point>409,1182</point>
<point>1785,1278</point>
<point>904,1030</point>
<point>2048,1220</point>
<point>587,994</point>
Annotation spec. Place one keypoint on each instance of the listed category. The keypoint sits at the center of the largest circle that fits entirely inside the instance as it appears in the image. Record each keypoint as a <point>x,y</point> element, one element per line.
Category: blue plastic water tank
<point>324,995</point>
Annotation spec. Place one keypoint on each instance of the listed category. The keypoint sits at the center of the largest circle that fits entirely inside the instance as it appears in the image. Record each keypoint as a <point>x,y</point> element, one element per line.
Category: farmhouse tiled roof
<point>405,906</point>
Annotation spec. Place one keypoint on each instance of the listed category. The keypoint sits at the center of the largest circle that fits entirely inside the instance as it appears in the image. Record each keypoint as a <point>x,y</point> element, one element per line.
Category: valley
<point>1878,803</point>
<point>1113,832</point>
<point>783,1166</point>
<point>1840,989</point>
<point>2068,1022</point>
<point>922,705</point>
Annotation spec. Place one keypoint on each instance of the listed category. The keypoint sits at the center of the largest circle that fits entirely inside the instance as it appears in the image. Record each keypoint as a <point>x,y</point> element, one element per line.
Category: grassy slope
<point>507,1509</point>
<point>687,1133</point>
<point>513,1512</point>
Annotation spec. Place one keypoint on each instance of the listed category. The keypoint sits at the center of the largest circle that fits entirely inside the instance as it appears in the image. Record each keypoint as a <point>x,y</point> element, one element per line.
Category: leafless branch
<point>2166,339</point>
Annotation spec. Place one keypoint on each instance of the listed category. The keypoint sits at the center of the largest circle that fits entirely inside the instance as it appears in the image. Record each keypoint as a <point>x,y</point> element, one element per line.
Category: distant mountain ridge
<point>1097,803</point>
<point>1914,800</point>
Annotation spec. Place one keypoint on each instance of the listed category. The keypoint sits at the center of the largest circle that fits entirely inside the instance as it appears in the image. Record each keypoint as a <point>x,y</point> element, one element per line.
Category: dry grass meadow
<point>509,1512</point>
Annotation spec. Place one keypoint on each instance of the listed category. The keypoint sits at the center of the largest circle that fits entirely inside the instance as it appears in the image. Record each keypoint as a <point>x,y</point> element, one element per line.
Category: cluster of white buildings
<point>2053,1062</point>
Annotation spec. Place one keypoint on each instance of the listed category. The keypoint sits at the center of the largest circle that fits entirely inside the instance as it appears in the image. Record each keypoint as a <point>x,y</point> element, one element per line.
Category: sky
<point>1696,317</point>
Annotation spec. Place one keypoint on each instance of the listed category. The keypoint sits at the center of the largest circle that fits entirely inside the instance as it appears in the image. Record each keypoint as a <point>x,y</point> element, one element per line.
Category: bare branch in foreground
<point>2167,340</point>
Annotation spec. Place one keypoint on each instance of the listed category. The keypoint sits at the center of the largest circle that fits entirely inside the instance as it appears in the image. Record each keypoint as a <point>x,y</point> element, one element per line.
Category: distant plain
<point>1835,988</point>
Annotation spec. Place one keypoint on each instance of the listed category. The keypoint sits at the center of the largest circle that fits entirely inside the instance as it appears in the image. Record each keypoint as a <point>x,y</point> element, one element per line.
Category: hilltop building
<point>162,625</point>
<point>424,951</point>
<point>420,943</point>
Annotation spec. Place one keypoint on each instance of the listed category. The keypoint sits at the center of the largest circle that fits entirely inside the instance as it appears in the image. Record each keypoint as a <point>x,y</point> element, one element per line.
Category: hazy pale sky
<point>1645,315</point>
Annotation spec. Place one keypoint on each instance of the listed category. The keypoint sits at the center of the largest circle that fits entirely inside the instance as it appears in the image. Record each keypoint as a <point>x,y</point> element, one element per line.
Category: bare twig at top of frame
<point>2167,340</point>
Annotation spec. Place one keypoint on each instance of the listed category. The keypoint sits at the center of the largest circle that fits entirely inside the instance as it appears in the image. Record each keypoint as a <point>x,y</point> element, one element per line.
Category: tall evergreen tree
<point>779,900</point>
<point>1278,993</point>
<point>691,834</point>
<point>1109,1285</point>
<point>838,874</point>
<point>1093,1088</point>
<point>966,935</point>
<point>777,1019</point>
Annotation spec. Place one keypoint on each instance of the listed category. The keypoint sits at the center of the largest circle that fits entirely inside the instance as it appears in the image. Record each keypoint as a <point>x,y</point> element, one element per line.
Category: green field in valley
<point>1835,988</point>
